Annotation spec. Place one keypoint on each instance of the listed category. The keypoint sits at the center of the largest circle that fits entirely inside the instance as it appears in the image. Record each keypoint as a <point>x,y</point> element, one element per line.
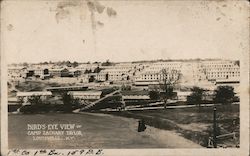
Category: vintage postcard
<point>124,77</point>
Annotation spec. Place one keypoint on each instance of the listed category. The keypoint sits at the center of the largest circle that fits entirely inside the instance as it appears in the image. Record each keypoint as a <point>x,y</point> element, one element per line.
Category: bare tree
<point>168,79</point>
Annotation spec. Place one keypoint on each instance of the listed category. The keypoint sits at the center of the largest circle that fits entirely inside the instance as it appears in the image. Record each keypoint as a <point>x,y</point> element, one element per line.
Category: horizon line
<point>134,61</point>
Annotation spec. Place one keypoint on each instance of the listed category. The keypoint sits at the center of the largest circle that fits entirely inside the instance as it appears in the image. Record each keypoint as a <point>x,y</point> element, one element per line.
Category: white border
<point>244,116</point>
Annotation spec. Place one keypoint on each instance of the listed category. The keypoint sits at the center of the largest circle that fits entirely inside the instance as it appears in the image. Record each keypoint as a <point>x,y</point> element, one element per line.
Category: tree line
<point>222,94</point>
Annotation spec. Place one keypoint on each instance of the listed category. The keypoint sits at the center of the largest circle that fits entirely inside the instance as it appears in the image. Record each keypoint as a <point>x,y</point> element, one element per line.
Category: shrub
<point>224,94</point>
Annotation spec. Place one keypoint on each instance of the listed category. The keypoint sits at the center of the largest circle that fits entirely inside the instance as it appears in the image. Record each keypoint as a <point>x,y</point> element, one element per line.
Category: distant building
<point>84,78</point>
<point>83,67</point>
<point>182,96</point>
<point>102,76</point>
<point>56,72</point>
<point>16,73</point>
<point>117,74</point>
<point>158,66</point>
<point>38,72</point>
<point>74,72</point>
<point>124,66</point>
<point>221,69</point>
<point>59,72</point>
<point>155,77</point>
<point>65,73</point>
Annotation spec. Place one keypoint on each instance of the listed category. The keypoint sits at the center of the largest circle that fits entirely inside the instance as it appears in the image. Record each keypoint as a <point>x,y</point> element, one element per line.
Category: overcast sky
<point>36,31</point>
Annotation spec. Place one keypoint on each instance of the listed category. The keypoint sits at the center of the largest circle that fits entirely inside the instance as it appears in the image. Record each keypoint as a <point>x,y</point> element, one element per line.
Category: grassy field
<point>192,123</point>
<point>99,131</point>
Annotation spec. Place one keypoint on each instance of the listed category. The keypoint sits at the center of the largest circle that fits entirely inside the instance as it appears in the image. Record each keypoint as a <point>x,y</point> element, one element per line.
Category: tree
<point>35,100</point>
<point>168,85</point>
<point>67,101</point>
<point>68,63</point>
<point>224,94</point>
<point>125,87</point>
<point>196,96</point>
<point>75,64</point>
<point>167,94</point>
<point>154,95</point>
<point>237,62</point>
<point>91,79</point>
<point>25,64</point>
<point>97,70</point>
<point>107,63</point>
<point>87,71</point>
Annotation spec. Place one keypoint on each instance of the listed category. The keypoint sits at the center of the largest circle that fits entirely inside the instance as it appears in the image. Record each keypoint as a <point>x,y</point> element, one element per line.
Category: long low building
<point>26,95</point>
<point>86,95</point>
<point>135,95</point>
<point>146,83</point>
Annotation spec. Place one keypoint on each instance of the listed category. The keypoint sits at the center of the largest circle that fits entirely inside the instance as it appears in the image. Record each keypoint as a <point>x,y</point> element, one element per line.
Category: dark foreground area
<point>98,131</point>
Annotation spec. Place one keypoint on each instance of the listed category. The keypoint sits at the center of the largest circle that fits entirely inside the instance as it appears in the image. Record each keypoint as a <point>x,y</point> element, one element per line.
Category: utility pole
<point>214,129</point>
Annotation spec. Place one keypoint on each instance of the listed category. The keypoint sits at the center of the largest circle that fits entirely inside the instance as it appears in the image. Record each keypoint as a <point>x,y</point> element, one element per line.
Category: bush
<point>67,101</point>
<point>37,105</point>
<point>44,108</point>
<point>125,87</point>
<point>13,108</point>
<point>224,94</point>
<point>154,95</point>
<point>196,96</point>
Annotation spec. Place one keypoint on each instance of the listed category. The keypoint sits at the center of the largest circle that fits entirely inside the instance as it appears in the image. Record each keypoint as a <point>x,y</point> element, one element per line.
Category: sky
<point>87,30</point>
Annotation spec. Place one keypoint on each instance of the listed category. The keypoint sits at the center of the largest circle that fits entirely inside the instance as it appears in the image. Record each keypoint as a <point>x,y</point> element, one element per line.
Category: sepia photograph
<point>125,75</point>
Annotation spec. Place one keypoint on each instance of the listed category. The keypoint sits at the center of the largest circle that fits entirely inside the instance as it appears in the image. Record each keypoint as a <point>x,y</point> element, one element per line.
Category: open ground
<point>99,131</point>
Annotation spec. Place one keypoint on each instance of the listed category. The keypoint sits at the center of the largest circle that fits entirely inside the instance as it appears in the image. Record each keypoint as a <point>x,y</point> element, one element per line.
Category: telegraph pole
<point>214,129</point>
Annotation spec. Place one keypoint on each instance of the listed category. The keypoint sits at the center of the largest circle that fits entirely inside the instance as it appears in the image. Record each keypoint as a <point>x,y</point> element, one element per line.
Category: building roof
<point>80,93</point>
<point>68,87</point>
<point>231,80</point>
<point>43,93</point>
<point>56,69</point>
